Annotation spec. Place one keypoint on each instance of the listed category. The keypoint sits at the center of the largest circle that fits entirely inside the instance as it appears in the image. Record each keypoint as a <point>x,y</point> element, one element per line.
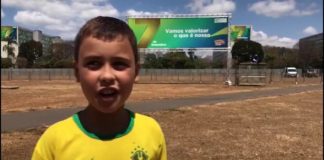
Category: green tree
<point>201,63</point>
<point>246,51</point>
<point>64,63</point>
<point>31,50</point>
<point>218,64</point>
<point>21,62</point>
<point>6,63</point>
<point>151,61</point>
<point>45,61</point>
<point>282,57</point>
<point>175,60</point>
<point>62,51</point>
<point>61,55</point>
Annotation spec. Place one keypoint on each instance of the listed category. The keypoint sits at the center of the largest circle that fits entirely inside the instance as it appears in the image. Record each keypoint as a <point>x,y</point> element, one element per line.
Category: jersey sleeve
<point>163,151</point>
<point>162,155</point>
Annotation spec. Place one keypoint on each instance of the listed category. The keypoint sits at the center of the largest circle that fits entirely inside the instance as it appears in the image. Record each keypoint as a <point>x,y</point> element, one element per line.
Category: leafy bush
<point>6,63</point>
<point>22,62</point>
<point>247,51</point>
<point>64,63</point>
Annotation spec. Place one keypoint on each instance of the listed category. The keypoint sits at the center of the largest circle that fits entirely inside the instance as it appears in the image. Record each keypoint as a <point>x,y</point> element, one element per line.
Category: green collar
<point>105,137</point>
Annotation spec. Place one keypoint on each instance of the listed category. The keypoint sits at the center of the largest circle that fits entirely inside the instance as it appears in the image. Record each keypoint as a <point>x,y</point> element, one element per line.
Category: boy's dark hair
<point>105,28</point>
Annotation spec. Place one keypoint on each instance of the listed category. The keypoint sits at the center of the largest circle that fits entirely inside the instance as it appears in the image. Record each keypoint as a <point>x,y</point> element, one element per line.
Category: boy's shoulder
<point>61,126</point>
<point>145,118</point>
<point>146,121</point>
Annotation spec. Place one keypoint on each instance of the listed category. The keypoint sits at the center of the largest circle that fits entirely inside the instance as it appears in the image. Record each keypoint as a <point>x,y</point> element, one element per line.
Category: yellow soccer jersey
<point>67,139</point>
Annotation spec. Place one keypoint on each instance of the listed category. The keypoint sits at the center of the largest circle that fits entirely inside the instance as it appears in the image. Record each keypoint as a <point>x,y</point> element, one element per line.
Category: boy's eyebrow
<point>94,57</point>
<point>126,59</point>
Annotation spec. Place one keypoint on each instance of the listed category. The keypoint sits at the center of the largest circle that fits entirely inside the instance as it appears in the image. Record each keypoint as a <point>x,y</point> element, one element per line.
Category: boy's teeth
<point>107,92</point>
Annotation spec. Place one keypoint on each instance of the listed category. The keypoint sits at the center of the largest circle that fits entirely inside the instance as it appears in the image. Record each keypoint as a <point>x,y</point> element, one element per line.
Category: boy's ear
<point>137,69</point>
<point>76,71</point>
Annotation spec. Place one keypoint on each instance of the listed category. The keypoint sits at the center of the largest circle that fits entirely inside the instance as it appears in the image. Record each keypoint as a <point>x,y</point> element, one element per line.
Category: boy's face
<point>106,71</point>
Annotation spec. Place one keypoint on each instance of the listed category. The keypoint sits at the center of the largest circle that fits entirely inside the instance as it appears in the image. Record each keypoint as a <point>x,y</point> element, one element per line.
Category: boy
<point>106,66</point>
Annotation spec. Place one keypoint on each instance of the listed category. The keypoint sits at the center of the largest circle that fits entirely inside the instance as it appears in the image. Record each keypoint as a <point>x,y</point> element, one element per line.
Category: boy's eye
<point>93,65</point>
<point>120,65</point>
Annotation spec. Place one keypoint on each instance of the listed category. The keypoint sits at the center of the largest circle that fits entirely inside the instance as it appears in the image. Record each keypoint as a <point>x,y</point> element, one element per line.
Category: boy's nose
<point>107,75</point>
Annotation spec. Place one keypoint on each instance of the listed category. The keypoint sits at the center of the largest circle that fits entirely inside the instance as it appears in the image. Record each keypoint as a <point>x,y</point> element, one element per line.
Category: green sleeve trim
<point>105,137</point>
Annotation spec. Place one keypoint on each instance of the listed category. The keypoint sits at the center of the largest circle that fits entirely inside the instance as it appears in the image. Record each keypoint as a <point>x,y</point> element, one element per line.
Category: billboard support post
<point>229,58</point>
<point>229,67</point>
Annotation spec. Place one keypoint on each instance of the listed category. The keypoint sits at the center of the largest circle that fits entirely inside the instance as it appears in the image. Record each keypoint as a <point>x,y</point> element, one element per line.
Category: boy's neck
<point>102,123</point>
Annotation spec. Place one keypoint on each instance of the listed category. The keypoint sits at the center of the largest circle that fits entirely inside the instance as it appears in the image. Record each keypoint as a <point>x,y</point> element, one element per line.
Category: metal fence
<point>160,75</point>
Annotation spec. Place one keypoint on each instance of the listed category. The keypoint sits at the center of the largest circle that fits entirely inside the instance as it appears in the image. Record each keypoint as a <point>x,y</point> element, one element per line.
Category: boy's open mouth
<point>108,92</point>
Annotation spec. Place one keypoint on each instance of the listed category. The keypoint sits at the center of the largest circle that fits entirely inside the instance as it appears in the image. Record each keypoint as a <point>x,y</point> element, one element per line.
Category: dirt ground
<point>285,127</point>
<point>39,95</point>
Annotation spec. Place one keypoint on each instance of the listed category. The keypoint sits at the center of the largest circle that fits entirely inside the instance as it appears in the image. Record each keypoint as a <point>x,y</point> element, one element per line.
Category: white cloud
<point>211,6</point>
<point>63,17</point>
<point>2,14</point>
<point>22,4</point>
<point>310,30</point>
<point>99,11</point>
<point>265,40</point>
<point>132,12</point>
<point>34,17</point>
<point>275,9</point>
<point>58,9</point>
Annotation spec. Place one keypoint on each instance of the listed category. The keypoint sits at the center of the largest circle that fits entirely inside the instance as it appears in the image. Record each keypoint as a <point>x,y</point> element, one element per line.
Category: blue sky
<point>274,22</point>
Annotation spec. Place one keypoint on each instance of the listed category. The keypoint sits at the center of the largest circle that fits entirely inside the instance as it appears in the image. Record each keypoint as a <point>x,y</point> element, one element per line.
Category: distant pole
<point>229,56</point>
<point>229,65</point>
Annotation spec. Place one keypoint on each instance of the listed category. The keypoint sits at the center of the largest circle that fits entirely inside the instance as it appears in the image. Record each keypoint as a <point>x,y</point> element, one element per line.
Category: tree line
<point>31,56</point>
<point>61,56</point>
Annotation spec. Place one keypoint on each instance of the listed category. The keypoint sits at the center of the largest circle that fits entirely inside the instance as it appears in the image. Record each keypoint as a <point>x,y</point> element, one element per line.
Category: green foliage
<point>189,64</point>
<point>151,61</point>
<point>21,62</point>
<point>6,63</point>
<point>280,57</point>
<point>46,61</point>
<point>218,64</point>
<point>61,56</point>
<point>175,60</point>
<point>62,51</point>
<point>201,64</point>
<point>52,62</point>
<point>64,63</point>
<point>31,50</point>
<point>245,51</point>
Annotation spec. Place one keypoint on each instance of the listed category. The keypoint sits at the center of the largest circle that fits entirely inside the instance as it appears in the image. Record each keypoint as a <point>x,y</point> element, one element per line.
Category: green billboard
<point>8,33</point>
<point>240,32</point>
<point>175,33</point>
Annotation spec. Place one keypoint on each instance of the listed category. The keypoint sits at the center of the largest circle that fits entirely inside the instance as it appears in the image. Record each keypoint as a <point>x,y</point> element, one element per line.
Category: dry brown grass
<point>39,95</point>
<point>285,127</point>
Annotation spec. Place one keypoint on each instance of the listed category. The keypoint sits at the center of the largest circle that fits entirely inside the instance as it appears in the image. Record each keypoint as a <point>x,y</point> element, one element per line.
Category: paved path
<point>28,120</point>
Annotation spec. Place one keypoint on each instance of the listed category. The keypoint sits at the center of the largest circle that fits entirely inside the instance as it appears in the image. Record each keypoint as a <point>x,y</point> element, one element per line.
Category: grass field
<point>285,127</point>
